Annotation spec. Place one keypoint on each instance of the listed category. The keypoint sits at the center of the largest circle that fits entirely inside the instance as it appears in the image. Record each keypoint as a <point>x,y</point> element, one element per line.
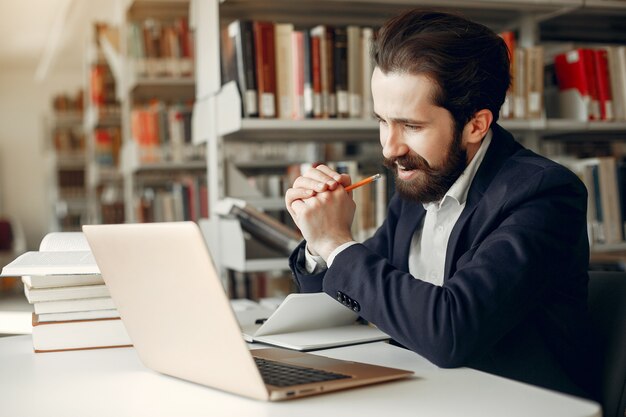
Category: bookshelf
<point>102,124</point>
<point>66,163</point>
<point>534,22</point>
<point>152,64</point>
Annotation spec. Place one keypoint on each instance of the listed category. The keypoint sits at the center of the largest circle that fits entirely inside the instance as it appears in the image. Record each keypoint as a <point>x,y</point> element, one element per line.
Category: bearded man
<point>482,259</point>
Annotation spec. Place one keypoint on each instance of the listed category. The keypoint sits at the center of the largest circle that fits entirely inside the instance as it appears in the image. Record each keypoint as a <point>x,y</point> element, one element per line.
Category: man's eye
<point>412,127</point>
<point>382,122</point>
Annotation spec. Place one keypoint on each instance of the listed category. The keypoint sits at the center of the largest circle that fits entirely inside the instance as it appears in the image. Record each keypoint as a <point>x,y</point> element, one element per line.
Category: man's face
<point>420,144</point>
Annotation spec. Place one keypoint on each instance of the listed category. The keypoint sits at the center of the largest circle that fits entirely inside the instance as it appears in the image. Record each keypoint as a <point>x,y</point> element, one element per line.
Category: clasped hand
<point>322,209</point>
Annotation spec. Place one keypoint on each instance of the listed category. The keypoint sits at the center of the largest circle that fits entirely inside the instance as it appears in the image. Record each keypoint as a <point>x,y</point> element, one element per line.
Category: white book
<point>67,306</point>
<point>367,35</point>
<point>82,334</point>
<point>71,280</point>
<point>310,321</point>
<point>59,253</point>
<point>79,315</point>
<point>65,293</point>
<point>284,74</point>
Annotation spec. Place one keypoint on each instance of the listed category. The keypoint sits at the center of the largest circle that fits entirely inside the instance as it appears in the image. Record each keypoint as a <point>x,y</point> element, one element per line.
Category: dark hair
<point>468,62</point>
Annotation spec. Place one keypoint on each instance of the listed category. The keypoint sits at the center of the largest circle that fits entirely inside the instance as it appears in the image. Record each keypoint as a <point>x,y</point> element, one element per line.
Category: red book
<point>590,73</point>
<point>316,75</point>
<point>266,67</point>
<point>575,84</point>
<point>297,56</point>
<point>605,98</point>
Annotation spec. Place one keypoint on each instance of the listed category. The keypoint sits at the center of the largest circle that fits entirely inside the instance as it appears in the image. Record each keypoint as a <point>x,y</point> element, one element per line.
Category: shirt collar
<point>458,191</point>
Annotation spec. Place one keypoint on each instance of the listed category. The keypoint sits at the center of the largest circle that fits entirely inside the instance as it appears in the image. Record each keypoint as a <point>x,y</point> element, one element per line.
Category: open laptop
<point>180,321</point>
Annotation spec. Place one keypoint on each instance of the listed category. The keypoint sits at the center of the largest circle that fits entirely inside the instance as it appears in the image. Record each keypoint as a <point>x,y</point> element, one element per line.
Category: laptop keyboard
<point>283,375</point>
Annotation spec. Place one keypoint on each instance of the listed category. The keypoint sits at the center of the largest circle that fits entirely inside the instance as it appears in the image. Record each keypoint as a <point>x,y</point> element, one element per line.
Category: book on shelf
<point>261,225</point>
<point>299,109</point>
<point>283,33</point>
<point>340,67</point>
<point>507,111</point>
<point>355,70</point>
<point>301,72</point>
<point>603,80</point>
<point>79,334</point>
<point>598,75</point>
<point>160,48</point>
<point>367,102</point>
<point>265,68</point>
<point>534,82</point>
<point>616,58</point>
<point>603,177</point>
<point>172,198</point>
<point>242,38</point>
<point>311,321</point>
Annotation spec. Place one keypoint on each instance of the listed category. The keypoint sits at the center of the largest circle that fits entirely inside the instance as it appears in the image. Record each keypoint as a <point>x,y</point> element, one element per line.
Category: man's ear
<point>477,127</point>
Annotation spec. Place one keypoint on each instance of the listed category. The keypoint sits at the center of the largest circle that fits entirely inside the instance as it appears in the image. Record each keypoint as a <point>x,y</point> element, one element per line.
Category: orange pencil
<point>363,182</point>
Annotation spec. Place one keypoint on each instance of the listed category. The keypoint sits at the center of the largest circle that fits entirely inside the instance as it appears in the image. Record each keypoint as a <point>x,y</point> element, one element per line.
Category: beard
<point>430,184</point>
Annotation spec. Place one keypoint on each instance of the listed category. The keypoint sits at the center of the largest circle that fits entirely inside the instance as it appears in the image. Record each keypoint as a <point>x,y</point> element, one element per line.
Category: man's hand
<point>322,209</point>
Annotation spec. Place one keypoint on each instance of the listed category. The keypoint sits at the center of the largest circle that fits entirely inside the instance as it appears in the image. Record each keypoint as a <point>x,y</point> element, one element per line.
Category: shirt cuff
<point>313,264</point>
<point>338,250</point>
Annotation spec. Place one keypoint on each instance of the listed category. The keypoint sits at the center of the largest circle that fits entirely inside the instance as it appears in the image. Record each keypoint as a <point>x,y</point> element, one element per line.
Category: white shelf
<point>97,175</point>
<point>94,118</point>
<point>241,254</point>
<point>67,120</point>
<point>162,87</point>
<point>131,161</point>
<point>606,4</point>
<point>143,9</point>
<point>606,248</point>
<point>497,14</point>
<point>70,160</point>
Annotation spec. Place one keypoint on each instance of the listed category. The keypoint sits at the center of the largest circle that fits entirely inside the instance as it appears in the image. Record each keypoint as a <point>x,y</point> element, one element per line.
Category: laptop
<point>171,300</point>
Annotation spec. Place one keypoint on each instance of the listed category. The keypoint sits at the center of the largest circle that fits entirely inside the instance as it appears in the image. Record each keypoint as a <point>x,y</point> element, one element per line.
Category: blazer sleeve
<point>380,243</point>
<point>526,246</point>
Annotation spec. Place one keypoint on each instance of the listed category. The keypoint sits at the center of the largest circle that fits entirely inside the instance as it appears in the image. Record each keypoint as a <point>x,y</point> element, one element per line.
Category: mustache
<point>410,162</point>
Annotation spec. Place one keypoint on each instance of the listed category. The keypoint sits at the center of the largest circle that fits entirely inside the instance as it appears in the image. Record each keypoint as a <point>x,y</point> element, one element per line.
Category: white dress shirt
<point>427,255</point>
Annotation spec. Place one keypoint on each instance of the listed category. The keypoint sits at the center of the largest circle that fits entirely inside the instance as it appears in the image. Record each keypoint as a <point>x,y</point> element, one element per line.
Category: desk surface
<point>113,382</point>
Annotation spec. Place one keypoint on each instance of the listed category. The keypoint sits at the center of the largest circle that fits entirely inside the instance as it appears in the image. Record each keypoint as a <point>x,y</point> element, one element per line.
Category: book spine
<point>266,68</point>
<point>340,58</point>
<point>297,66</point>
<point>284,74</point>
<point>368,69</point>
<point>247,62</point>
<point>316,77</point>
<point>355,65</point>
<point>604,84</point>
<point>263,231</point>
<point>330,71</point>
<point>308,78</point>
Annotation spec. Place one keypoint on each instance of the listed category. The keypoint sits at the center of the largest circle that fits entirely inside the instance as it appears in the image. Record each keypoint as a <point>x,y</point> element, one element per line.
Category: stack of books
<point>72,306</point>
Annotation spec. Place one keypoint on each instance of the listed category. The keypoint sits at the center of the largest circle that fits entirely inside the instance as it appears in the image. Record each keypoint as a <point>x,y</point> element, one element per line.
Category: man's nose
<point>393,143</point>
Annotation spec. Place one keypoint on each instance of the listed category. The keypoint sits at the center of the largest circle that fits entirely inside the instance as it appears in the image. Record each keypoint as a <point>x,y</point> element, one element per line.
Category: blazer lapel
<point>409,221</point>
<point>502,147</point>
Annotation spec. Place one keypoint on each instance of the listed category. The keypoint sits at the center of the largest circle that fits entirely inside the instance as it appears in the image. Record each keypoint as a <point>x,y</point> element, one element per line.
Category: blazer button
<point>355,306</point>
<point>339,296</point>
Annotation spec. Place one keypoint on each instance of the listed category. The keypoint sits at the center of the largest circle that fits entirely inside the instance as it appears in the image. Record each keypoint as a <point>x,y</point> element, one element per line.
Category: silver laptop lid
<point>170,298</point>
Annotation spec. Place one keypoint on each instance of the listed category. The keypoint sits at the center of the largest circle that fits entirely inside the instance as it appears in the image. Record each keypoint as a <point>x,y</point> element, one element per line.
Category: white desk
<point>113,382</point>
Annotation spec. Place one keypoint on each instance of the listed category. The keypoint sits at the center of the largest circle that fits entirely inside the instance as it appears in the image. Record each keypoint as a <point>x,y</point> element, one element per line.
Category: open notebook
<point>308,322</point>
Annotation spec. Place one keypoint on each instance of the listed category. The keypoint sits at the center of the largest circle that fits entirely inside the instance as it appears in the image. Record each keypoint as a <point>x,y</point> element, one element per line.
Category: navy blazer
<point>513,300</point>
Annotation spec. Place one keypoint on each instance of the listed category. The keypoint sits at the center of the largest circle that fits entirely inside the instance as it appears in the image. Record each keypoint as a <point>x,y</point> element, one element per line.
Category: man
<point>482,260</point>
